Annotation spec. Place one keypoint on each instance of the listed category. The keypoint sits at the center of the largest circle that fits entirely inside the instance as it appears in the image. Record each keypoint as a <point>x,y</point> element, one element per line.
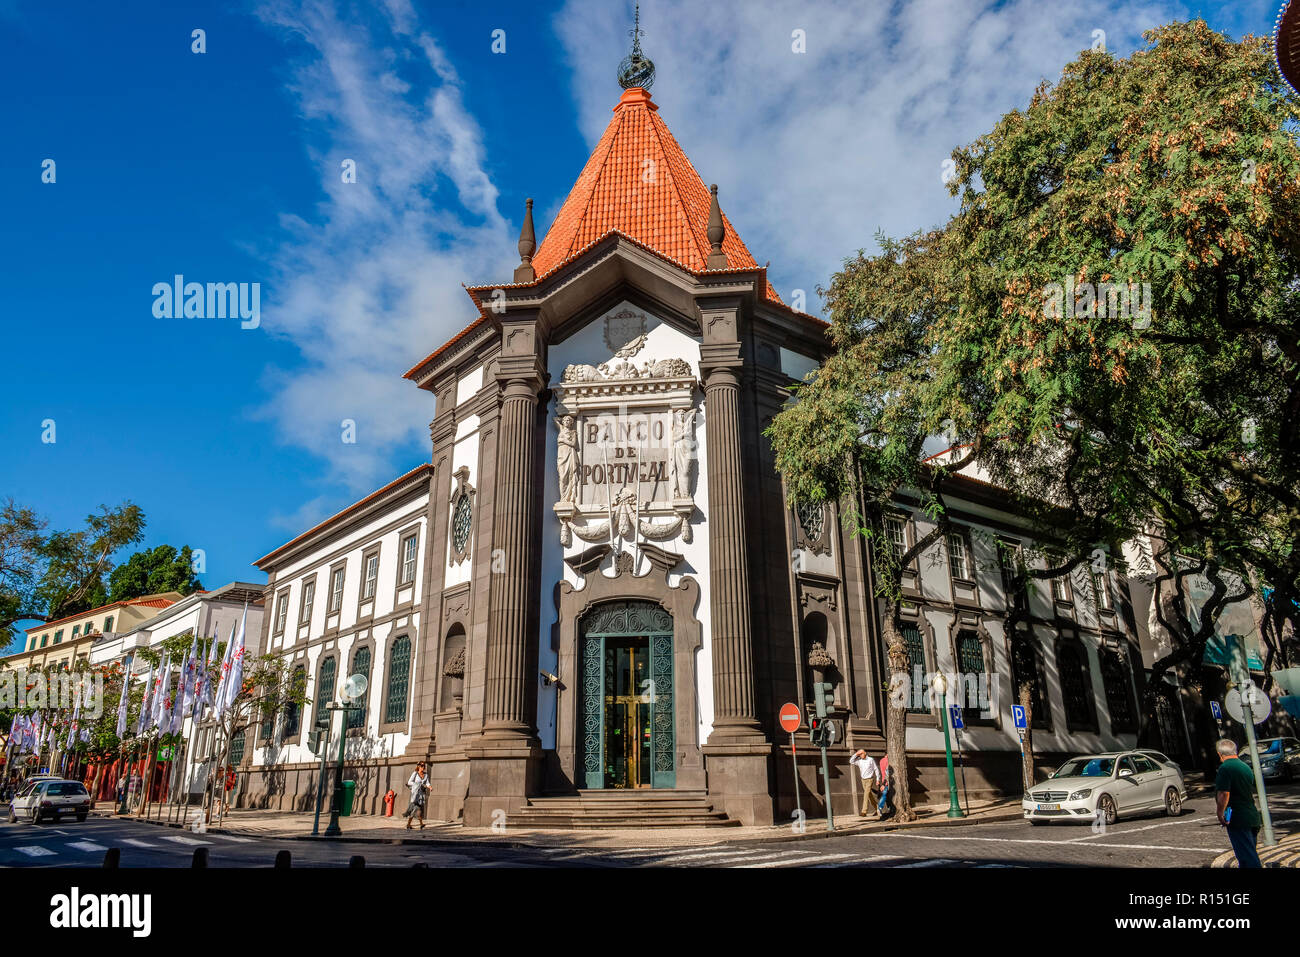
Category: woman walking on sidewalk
<point>418,782</point>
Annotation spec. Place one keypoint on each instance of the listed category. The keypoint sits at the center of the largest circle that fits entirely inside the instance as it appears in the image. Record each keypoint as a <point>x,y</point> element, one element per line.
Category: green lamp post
<point>353,689</point>
<point>941,685</point>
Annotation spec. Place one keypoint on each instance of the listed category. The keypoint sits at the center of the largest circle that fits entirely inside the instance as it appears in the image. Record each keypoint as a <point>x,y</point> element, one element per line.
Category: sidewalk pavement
<point>1285,853</point>
<point>376,829</point>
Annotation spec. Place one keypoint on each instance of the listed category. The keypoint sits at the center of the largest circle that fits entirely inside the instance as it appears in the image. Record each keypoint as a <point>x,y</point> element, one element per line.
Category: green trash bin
<point>349,794</point>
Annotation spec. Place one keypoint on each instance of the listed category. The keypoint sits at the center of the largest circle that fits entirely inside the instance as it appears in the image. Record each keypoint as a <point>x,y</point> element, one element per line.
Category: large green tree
<point>45,574</point>
<point>1166,398</point>
<point>154,570</point>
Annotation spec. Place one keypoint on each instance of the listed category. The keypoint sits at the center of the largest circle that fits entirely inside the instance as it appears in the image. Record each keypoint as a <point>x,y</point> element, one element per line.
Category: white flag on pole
<point>224,675</point>
<point>160,686</point>
<point>121,701</point>
<point>234,685</point>
<point>145,702</point>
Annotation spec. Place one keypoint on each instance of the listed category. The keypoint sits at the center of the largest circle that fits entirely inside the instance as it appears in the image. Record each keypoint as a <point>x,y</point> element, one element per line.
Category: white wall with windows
<point>349,602</point>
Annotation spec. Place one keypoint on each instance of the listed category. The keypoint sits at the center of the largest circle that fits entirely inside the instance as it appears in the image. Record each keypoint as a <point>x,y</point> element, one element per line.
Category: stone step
<point>634,808</point>
<point>524,820</point>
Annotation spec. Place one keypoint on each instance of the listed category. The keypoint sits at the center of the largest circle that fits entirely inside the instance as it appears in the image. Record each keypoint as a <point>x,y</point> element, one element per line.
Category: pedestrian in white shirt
<point>870,772</point>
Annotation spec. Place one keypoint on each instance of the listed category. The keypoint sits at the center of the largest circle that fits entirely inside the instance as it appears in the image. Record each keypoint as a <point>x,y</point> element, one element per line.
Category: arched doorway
<point>626,733</point>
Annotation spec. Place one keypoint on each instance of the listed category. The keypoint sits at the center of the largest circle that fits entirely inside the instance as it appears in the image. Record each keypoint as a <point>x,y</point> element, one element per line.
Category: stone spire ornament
<point>636,70</point>
<point>524,272</point>
<point>717,258</point>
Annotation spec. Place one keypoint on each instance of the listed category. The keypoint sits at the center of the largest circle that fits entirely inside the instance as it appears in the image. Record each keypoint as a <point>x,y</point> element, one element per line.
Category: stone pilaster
<point>505,762</point>
<point>737,753</point>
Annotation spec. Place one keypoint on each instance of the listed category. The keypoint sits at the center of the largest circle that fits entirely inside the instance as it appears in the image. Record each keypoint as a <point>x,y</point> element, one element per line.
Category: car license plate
<point>1049,807</point>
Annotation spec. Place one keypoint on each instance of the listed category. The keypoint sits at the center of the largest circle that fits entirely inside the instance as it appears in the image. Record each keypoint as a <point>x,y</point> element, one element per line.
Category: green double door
<point>627,735</point>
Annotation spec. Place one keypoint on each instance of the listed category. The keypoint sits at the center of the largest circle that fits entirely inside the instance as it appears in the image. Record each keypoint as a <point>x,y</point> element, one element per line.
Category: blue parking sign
<point>954,715</point>
<point>1018,716</point>
<point>1216,711</point>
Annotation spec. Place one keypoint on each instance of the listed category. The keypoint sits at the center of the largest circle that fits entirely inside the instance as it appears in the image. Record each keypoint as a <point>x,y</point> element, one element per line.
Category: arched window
<point>325,686</point>
<point>1115,679</point>
<point>399,671</point>
<point>293,709</point>
<point>360,666</point>
<point>974,688</point>
<point>1076,688</point>
<point>915,666</point>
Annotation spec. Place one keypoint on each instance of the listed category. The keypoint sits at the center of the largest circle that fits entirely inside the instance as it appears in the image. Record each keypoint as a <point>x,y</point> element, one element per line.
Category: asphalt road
<point>1191,840</point>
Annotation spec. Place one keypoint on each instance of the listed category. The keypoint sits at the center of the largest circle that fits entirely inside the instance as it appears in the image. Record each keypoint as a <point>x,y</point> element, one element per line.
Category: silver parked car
<point>49,799</point>
<point>1101,787</point>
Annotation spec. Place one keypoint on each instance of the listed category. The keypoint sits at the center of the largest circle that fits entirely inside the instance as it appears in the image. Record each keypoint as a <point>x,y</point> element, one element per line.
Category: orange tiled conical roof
<point>639,182</point>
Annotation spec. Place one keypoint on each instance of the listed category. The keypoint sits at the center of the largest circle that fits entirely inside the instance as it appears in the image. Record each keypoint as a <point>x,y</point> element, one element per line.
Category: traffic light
<point>814,731</point>
<point>314,736</point>
<point>824,698</point>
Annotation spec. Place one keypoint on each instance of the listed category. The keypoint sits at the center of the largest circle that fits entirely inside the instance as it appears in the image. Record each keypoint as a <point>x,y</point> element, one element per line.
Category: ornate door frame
<point>629,618</point>
<point>681,602</point>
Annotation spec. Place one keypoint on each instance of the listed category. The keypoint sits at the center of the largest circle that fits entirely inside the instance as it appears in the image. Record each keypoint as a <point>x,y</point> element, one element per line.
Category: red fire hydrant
<point>388,802</point>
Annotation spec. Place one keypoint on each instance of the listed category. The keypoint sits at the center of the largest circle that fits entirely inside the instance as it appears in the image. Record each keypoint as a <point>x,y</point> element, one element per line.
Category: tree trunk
<point>896,721</point>
<point>1027,757</point>
<point>99,776</point>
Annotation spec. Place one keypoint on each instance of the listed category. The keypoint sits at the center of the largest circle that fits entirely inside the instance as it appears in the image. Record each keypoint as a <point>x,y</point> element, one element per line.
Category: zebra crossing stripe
<point>800,860</point>
<point>136,842</point>
<point>35,850</point>
<point>185,840</point>
<point>863,860</point>
<point>697,856</point>
<point>937,862</point>
<point>87,846</point>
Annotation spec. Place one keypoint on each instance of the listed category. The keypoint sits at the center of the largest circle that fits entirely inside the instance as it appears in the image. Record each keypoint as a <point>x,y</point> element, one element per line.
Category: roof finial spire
<point>716,232</point>
<point>527,245</point>
<point>636,70</point>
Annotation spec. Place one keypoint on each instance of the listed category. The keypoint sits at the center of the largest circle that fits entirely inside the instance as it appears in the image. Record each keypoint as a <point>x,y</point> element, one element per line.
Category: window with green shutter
<point>237,747</point>
<point>916,665</point>
<point>325,686</point>
<point>293,709</point>
<point>399,669</point>
<point>360,666</point>
<point>970,658</point>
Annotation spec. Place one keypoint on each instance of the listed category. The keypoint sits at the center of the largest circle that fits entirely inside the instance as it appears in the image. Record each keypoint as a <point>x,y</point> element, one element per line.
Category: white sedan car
<point>1101,787</point>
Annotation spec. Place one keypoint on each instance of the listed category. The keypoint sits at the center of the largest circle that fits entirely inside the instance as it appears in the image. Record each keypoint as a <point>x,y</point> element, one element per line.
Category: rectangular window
<point>958,563</point>
<point>371,577</point>
<point>281,611</point>
<point>409,548</point>
<point>58,636</point>
<point>1101,591</point>
<point>90,626</point>
<point>896,532</point>
<point>76,630</point>
<point>1061,583</point>
<point>108,624</point>
<point>336,590</point>
<point>916,658</point>
<point>308,597</point>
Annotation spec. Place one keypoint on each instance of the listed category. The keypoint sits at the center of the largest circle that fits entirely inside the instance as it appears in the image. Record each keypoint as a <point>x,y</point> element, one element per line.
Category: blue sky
<point>225,166</point>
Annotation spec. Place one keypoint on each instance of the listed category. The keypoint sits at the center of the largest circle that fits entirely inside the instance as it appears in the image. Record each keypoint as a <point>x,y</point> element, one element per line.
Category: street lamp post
<point>353,689</point>
<point>954,807</point>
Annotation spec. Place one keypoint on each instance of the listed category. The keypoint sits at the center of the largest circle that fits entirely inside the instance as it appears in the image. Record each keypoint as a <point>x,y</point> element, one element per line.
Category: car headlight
<point>1080,795</point>
<point>1025,797</point>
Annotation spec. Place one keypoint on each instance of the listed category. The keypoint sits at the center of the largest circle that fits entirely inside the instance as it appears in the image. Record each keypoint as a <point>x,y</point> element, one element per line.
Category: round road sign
<point>790,717</point>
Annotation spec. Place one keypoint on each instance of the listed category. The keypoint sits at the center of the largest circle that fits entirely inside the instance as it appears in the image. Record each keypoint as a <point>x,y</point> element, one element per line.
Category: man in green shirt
<point>1234,792</point>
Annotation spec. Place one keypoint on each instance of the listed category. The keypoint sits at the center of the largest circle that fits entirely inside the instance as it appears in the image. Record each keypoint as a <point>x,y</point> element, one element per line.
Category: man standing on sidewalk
<point>1234,792</point>
<point>870,772</point>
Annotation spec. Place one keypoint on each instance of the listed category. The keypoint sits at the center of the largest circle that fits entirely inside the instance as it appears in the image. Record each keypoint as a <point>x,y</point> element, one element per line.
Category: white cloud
<point>368,282</point>
<point>814,152</point>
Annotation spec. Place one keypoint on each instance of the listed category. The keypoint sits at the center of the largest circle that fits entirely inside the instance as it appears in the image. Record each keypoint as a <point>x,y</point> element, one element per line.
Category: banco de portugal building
<point>593,600</point>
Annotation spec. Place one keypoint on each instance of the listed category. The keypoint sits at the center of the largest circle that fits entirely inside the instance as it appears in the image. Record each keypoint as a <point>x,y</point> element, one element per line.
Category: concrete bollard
<point>282,860</point>
<point>357,862</point>
<point>113,858</point>
<point>200,857</point>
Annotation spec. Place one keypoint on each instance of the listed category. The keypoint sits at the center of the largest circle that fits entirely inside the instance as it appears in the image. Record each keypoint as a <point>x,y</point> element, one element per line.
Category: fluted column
<point>733,651</point>
<point>506,705</point>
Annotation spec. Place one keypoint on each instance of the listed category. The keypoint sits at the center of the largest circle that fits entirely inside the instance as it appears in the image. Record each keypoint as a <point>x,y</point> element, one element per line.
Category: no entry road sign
<point>790,717</point>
